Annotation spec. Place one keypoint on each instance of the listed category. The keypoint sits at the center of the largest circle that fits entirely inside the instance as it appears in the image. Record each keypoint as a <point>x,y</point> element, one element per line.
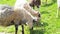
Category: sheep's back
<point>4,6</point>
<point>6,17</point>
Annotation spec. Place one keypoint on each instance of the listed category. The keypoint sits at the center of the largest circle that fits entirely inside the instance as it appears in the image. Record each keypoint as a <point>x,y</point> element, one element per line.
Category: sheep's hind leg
<point>16,28</point>
<point>22,29</point>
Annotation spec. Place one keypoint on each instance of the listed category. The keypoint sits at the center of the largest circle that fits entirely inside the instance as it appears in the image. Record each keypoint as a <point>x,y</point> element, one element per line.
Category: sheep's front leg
<point>16,28</point>
<point>22,29</point>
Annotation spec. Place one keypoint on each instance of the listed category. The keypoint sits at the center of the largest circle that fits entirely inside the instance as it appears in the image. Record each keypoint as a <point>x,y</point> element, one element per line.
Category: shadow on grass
<point>47,5</point>
<point>40,30</point>
<point>44,12</point>
<point>44,24</point>
<point>37,31</point>
<point>54,1</point>
<point>58,17</point>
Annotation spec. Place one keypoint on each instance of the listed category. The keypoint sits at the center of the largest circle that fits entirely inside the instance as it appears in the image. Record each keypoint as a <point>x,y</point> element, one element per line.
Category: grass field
<point>50,23</point>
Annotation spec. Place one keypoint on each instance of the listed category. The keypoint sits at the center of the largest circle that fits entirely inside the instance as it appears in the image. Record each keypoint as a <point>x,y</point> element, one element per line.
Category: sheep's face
<point>37,15</point>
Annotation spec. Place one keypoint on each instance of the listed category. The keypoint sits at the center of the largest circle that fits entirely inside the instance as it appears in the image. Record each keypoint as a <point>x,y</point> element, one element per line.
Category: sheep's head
<point>37,16</point>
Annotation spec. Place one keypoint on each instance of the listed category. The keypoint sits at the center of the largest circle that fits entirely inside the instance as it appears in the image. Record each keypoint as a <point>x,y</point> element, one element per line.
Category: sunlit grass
<point>50,24</point>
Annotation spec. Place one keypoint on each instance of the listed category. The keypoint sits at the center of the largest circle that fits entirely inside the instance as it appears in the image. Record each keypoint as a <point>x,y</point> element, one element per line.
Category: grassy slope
<point>50,24</point>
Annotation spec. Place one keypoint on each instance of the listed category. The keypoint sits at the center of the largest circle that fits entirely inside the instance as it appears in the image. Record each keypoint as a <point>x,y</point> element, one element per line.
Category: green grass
<point>9,2</point>
<point>50,23</point>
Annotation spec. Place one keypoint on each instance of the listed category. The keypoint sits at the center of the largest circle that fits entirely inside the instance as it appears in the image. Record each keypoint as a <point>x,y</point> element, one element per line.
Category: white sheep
<point>19,6</point>
<point>23,4</point>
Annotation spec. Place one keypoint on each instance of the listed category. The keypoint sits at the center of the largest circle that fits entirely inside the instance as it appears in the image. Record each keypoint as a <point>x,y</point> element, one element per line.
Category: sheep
<point>34,3</point>
<point>30,20</point>
<point>15,17</point>
<point>24,4</point>
<point>20,5</point>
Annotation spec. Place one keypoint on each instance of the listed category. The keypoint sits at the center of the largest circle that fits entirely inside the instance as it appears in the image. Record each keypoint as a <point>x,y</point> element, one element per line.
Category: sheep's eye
<point>39,15</point>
